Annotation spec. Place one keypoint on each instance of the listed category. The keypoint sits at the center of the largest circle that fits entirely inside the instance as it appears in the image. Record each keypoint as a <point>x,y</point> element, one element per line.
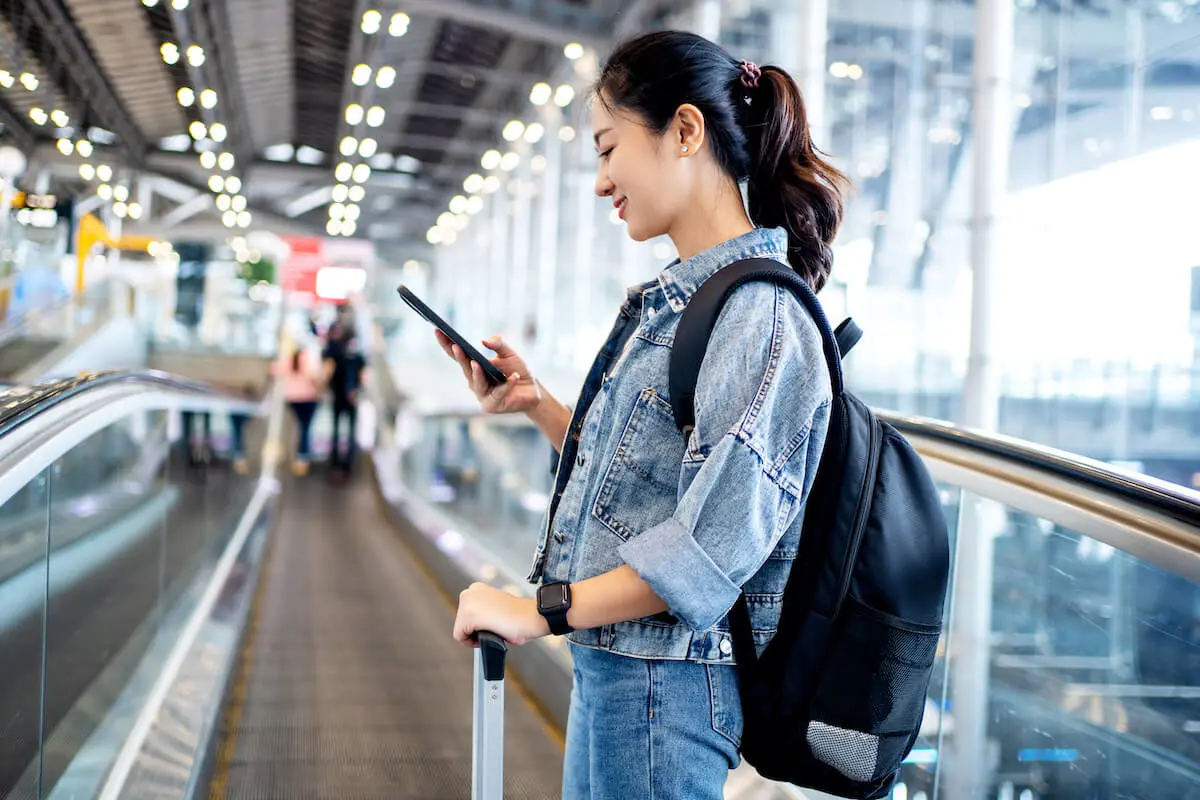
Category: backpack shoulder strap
<point>700,316</point>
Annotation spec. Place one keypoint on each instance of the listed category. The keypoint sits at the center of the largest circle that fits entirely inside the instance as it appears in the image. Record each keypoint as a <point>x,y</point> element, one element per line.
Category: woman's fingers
<point>499,394</point>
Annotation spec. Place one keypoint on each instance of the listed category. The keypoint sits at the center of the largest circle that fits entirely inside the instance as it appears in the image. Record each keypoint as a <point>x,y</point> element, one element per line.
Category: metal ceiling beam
<point>15,127</point>
<point>492,75</point>
<point>52,18</point>
<point>549,21</point>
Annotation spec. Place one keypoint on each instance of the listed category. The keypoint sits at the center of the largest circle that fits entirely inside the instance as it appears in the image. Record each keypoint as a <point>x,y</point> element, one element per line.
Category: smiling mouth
<point>621,207</point>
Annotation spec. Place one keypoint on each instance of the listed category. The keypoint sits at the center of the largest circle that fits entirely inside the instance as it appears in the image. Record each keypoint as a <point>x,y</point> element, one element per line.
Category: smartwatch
<point>553,603</point>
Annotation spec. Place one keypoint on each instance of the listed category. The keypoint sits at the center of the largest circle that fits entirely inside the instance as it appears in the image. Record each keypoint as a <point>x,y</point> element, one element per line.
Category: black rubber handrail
<point>1174,501</point>
<point>20,404</point>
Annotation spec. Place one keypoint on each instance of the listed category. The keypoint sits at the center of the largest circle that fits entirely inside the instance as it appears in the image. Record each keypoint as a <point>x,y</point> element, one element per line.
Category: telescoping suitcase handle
<point>487,750</point>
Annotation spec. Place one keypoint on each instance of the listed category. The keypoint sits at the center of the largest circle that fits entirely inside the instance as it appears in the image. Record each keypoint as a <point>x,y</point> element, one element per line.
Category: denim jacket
<point>697,521</point>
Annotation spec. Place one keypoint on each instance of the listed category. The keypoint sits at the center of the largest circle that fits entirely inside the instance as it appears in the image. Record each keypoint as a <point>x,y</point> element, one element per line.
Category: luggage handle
<point>487,749</point>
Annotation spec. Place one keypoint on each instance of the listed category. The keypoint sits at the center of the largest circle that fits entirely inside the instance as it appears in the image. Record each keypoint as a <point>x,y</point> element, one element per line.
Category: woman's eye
<point>606,153</point>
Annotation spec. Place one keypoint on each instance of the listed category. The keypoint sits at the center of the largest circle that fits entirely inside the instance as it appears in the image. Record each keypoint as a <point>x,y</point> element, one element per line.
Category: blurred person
<point>301,378</point>
<point>237,426</point>
<point>654,535</point>
<point>345,371</point>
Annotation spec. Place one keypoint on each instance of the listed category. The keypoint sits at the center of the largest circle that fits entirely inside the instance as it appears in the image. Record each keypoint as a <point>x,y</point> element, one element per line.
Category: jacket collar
<point>681,279</point>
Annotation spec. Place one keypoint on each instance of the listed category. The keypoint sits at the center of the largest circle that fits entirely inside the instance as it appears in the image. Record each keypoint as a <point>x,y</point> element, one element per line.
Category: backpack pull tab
<point>687,435</point>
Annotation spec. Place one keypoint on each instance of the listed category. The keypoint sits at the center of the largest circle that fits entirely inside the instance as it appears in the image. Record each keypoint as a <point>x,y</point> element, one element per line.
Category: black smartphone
<point>494,376</point>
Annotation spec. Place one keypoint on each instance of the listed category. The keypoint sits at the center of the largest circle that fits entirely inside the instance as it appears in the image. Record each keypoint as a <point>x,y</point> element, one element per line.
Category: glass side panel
<point>1089,684</point>
<point>109,501</point>
<point>24,537</point>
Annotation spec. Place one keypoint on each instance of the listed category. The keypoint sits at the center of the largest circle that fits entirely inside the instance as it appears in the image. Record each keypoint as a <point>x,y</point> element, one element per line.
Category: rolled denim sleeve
<point>762,407</point>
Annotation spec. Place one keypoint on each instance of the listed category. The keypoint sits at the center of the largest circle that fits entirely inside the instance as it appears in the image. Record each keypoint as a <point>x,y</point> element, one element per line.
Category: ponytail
<point>790,186</point>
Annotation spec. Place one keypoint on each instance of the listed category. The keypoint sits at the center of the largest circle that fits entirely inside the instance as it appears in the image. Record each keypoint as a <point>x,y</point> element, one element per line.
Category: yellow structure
<point>92,232</point>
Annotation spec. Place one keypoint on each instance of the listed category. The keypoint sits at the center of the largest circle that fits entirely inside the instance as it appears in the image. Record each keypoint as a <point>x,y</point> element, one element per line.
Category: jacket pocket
<point>641,483</point>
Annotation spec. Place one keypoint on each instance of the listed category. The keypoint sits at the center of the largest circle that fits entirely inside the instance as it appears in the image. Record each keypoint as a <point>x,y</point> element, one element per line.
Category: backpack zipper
<point>860,519</point>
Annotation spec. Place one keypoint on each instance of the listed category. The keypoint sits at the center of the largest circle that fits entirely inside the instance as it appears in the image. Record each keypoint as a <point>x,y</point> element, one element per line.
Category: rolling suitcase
<point>487,749</point>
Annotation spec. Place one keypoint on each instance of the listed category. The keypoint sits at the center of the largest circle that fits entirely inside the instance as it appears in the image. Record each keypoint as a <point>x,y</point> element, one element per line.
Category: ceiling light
<point>538,163</point>
<point>573,51</point>
<point>197,130</point>
<point>385,77</point>
<point>195,55</point>
<point>208,159</point>
<point>229,219</point>
<point>510,162</point>
<point>491,184</point>
<point>238,203</point>
<point>539,95</point>
<point>376,116</point>
<point>361,75</point>
<point>84,148</point>
<point>179,5</point>
<point>448,236</point>
<point>349,227</point>
<point>149,3</point>
<point>186,97</point>
<point>224,202</point>
<point>399,24</point>
<point>337,211</point>
<point>6,79</point>
<point>368,147</point>
<point>566,133</point>
<point>87,171</point>
<point>352,212</point>
<point>333,227</point>
<point>121,193</point>
<point>208,98</point>
<point>226,161</point>
<point>216,183</point>
<point>343,172</point>
<point>104,173</point>
<point>356,194</point>
<point>370,21</point>
<point>104,191</point>
<point>340,193</point>
<point>135,210</point>
<point>218,132</point>
<point>60,118</point>
<point>354,114</point>
<point>29,81</point>
<point>513,130</point>
<point>233,184</point>
<point>854,72</point>
<point>348,145</point>
<point>39,115</point>
<point>445,220</point>
<point>362,173</point>
<point>563,95</point>
<point>434,235</point>
<point>473,184</point>
<point>490,160</point>
<point>839,69</point>
<point>120,209</point>
<point>535,132</point>
<point>474,204</point>
<point>66,147</point>
<point>458,204</point>
<point>244,219</point>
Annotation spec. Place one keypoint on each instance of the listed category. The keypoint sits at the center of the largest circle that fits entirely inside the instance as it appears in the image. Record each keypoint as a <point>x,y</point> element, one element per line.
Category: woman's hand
<point>485,608</point>
<point>520,393</point>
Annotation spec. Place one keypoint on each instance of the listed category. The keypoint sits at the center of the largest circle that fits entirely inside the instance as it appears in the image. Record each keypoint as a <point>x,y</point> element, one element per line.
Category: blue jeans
<point>660,730</point>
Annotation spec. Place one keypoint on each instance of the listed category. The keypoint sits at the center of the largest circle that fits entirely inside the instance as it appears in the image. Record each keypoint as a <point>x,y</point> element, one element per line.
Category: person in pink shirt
<point>302,388</point>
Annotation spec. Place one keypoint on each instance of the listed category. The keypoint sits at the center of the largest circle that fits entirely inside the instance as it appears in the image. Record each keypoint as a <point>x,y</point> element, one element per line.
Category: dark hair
<point>296,354</point>
<point>757,134</point>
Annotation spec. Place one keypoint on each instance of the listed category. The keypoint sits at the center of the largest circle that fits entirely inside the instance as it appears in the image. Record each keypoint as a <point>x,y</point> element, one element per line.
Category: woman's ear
<point>687,129</point>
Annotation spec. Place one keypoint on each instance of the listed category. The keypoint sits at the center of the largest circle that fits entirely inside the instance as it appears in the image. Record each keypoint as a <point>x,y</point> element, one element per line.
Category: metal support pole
<point>517,313</point>
<point>968,770</point>
<point>547,248</point>
<point>799,31</point>
<point>584,230</point>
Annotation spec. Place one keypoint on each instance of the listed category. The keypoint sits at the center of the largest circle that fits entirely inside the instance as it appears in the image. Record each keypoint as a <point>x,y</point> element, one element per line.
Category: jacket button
<point>726,646</point>
<point>580,460</point>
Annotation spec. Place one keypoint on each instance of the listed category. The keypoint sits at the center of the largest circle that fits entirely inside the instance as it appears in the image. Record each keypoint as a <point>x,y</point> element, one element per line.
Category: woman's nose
<point>604,187</point>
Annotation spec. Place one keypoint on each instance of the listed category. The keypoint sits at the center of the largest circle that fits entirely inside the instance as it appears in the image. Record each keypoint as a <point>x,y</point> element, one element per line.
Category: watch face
<point>552,596</point>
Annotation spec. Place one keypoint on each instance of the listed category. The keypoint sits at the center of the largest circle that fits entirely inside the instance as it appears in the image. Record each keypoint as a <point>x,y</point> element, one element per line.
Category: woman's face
<point>639,170</point>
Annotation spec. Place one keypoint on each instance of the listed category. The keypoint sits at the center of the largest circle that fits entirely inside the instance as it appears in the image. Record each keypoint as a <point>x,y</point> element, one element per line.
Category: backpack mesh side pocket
<point>865,735</point>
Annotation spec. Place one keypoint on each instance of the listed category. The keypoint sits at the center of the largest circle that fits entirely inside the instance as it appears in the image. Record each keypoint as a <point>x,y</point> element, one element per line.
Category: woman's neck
<point>718,215</point>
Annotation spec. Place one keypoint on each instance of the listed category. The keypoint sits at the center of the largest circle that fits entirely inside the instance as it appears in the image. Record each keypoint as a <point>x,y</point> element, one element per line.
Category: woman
<point>301,389</point>
<point>650,540</point>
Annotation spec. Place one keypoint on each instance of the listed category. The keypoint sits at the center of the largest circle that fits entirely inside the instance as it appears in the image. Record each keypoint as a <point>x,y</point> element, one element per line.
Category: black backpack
<point>835,701</point>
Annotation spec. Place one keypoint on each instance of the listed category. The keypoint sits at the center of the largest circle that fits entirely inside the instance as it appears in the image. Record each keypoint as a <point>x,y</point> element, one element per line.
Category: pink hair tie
<point>750,74</point>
